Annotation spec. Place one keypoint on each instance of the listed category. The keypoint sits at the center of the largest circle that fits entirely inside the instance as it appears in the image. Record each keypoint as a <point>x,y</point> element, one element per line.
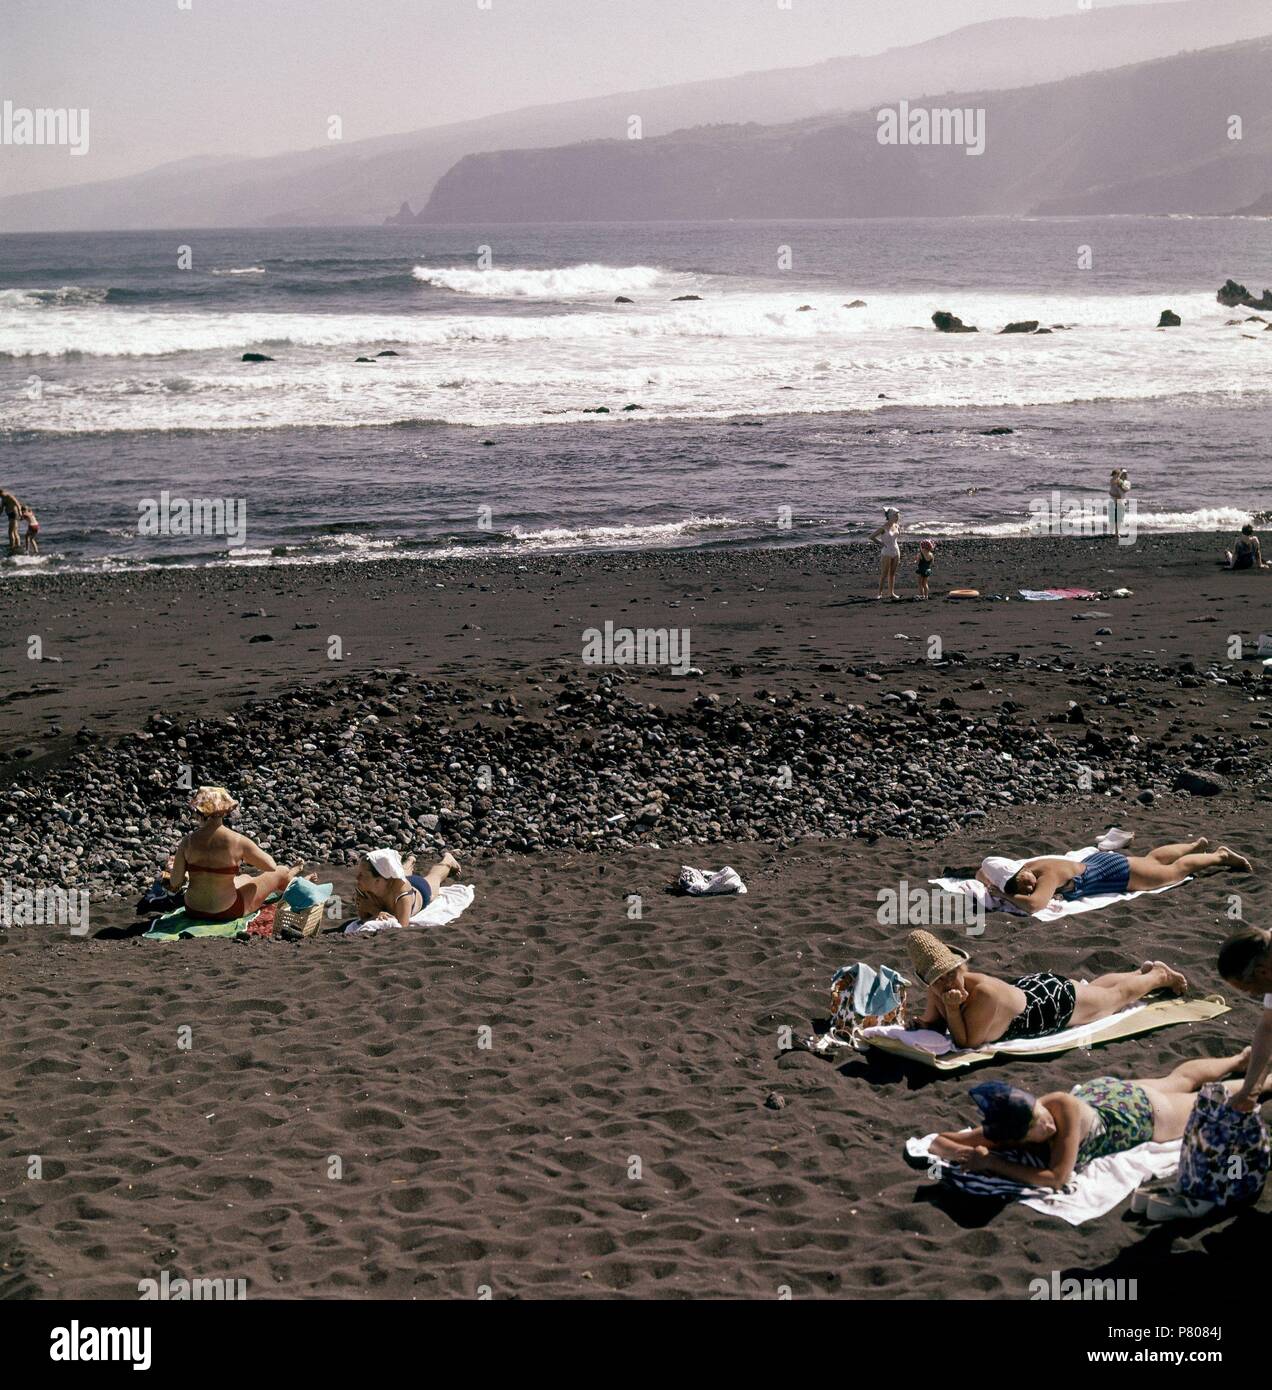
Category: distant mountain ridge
<point>1149,138</point>
<point>366,181</point>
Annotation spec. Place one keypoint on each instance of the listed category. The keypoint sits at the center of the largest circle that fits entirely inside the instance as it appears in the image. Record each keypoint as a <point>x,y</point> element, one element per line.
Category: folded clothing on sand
<point>447,903</point>
<point>1058,907</point>
<point>1095,1189</point>
<point>1052,595</point>
<point>698,882</point>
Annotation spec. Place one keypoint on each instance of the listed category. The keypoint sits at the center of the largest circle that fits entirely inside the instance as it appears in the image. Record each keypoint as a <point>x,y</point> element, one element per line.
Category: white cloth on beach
<point>1094,1189</point>
<point>387,863</point>
<point>939,1043</point>
<point>1058,907</point>
<point>444,906</point>
<point>701,881</point>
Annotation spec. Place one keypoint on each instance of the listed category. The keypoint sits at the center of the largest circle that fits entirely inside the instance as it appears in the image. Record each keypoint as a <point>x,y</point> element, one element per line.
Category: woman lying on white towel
<point>1033,883</point>
<point>388,887</point>
<point>1070,1128</point>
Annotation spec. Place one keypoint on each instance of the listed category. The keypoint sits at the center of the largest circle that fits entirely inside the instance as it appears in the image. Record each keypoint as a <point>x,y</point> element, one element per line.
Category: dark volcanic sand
<point>657,1039</point>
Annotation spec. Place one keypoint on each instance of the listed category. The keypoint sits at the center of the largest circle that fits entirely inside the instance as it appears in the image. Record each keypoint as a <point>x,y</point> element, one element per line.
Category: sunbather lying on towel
<point>212,856</point>
<point>979,1009</point>
<point>389,888</point>
<point>1035,882</point>
<point>1070,1128</point>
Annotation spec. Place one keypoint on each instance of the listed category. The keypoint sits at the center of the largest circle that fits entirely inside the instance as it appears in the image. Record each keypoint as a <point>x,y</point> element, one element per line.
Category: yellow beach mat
<point>1139,1018</point>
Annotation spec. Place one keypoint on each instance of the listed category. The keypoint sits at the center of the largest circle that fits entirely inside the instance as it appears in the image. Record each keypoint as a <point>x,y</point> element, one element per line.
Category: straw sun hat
<point>932,958</point>
<point>213,801</point>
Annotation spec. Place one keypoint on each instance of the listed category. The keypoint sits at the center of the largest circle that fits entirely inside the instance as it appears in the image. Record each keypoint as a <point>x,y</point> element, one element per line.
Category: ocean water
<point>523,409</point>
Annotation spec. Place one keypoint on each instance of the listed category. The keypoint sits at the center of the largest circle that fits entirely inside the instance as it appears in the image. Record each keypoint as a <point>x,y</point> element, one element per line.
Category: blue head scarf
<point>1006,1111</point>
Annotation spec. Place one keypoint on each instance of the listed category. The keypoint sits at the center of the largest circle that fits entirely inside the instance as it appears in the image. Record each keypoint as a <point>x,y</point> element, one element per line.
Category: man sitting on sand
<point>1070,1128</point>
<point>389,888</point>
<point>213,854</point>
<point>1033,883</point>
<point>979,1009</point>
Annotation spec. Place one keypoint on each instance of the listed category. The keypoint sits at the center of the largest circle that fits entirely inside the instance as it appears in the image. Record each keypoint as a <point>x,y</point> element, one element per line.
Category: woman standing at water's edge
<point>887,538</point>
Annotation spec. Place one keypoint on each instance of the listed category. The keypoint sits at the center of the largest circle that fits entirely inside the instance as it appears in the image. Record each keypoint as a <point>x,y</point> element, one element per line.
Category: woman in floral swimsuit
<point>1070,1128</point>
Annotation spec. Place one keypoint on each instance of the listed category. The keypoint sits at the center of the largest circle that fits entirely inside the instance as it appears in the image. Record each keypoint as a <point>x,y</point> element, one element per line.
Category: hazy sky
<point>167,79</point>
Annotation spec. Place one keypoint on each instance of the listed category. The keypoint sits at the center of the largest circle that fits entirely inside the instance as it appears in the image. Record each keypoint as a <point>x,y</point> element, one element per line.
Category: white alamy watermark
<point>44,907</point>
<point>166,515</point>
<point>45,125</point>
<point>641,646</point>
<point>177,1290</point>
<point>1066,514</point>
<point>926,905</point>
<point>940,125</point>
<point>75,1343</point>
<point>1085,1290</point>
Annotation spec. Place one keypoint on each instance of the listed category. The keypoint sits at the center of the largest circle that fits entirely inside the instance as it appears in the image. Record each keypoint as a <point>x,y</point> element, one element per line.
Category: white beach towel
<point>447,903</point>
<point>939,1043</point>
<point>1095,1189</point>
<point>701,881</point>
<point>1057,907</point>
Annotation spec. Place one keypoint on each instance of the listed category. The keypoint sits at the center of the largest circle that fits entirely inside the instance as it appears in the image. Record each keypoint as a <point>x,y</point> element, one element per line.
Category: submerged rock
<point>951,323</point>
<point>255,357</point>
<point>1233,295</point>
<point>1024,326</point>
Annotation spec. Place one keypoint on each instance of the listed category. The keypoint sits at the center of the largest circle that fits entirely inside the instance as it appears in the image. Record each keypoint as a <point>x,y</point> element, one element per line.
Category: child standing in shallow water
<point>927,552</point>
<point>32,531</point>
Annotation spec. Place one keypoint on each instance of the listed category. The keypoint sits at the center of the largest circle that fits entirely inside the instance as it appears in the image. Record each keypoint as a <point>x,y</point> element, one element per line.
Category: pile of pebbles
<point>324,771</point>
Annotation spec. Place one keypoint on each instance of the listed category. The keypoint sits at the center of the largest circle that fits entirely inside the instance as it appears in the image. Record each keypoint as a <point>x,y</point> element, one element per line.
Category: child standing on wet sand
<point>927,552</point>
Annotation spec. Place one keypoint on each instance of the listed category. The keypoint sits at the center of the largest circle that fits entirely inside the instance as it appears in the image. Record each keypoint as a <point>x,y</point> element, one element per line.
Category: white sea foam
<point>241,270</point>
<point>565,282</point>
<point>741,352</point>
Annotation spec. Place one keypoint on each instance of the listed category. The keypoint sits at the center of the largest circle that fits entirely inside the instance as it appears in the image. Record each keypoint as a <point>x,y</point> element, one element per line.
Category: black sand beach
<point>635,1126</point>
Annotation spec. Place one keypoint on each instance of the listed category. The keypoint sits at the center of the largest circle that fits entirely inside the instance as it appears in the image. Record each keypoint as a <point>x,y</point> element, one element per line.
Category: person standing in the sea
<point>1119,486</point>
<point>12,510</point>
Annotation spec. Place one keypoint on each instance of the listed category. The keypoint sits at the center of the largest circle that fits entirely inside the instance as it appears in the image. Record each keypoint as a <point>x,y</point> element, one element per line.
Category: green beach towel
<point>173,926</point>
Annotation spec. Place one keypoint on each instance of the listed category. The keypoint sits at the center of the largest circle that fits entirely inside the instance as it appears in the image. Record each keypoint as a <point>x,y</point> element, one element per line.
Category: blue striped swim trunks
<point>1104,873</point>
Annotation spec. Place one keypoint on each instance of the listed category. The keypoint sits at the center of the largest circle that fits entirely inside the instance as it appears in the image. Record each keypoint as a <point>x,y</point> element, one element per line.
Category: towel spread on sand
<point>938,1050</point>
<point>1053,595</point>
<point>173,926</point>
<point>1057,907</point>
<point>698,882</point>
<point>444,906</point>
<point>1095,1189</point>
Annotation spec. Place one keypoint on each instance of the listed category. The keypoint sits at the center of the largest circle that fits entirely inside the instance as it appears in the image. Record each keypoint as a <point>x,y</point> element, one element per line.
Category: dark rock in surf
<point>1169,319</point>
<point>804,309</point>
<point>1041,330</point>
<point>388,352</point>
<point>856,304</point>
<point>1024,326</point>
<point>622,299</point>
<point>1233,295</point>
<point>255,357</point>
<point>364,359</point>
<point>684,298</point>
<point>950,323</point>
<point>998,429</point>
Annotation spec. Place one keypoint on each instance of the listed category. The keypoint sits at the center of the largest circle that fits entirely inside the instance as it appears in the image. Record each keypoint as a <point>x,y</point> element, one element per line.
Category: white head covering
<point>387,863</point>
<point>998,870</point>
<point>891,514</point>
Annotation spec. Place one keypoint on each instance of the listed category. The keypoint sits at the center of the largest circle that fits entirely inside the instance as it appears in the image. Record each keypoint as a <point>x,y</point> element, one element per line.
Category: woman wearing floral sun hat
<point>212,856</point>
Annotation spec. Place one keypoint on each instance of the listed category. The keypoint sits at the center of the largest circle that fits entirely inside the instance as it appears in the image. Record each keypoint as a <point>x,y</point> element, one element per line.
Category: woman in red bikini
<point>212,856</point>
